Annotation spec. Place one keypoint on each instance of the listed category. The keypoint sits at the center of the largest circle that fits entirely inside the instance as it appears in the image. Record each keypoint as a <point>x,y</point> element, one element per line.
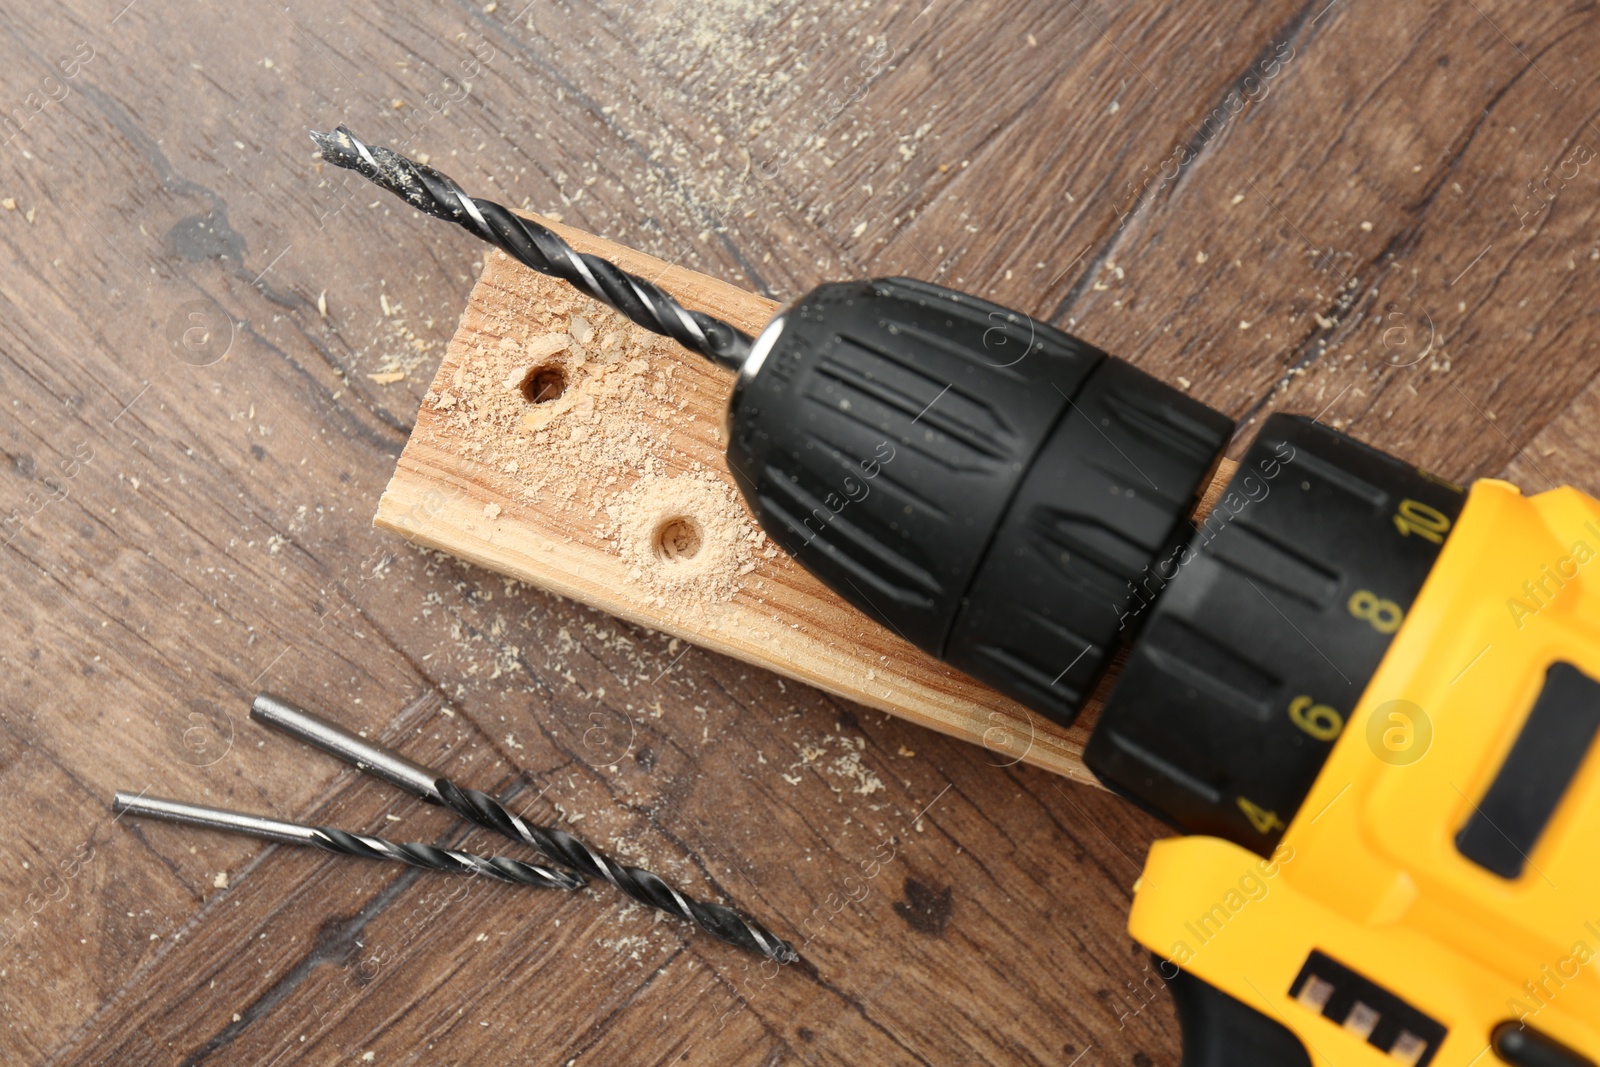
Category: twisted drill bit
<point>554,844</point>
<point>343,843</point>
<point>535,246</point>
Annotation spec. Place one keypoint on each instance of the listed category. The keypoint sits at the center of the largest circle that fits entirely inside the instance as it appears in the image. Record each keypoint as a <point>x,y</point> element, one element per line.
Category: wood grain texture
<point>193,451</point>
<point>454,472</point>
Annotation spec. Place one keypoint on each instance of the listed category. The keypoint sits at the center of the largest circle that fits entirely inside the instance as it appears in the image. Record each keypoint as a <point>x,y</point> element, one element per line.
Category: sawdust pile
<point>582,414</point>
<point>687,537</point>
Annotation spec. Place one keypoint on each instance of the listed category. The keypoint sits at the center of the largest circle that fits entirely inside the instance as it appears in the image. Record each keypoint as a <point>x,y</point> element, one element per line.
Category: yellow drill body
<point>1369,873</point>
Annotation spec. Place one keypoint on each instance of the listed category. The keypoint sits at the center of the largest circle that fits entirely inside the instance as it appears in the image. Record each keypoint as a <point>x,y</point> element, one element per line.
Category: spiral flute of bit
<point>343,843</point>
<point>561,847</point>
<point>537,247</point>
<point>554,844</point>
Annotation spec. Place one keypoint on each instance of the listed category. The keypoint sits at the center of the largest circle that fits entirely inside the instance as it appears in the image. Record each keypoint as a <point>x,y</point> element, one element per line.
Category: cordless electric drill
<point>1368,696</point>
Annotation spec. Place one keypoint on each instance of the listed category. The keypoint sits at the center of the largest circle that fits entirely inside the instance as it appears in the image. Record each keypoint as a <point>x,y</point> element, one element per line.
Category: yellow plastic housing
<point>1368,872</point>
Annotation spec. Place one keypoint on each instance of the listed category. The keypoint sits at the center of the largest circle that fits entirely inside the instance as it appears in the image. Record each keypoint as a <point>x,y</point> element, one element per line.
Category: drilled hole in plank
<point>677,538</point>
<point>544,384</point>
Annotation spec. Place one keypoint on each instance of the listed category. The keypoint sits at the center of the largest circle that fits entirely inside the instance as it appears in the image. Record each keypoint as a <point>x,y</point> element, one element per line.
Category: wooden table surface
<point>1376,212</point>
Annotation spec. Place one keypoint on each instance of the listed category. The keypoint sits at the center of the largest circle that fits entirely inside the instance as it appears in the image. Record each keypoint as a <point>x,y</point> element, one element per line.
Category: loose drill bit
<point>343,843</point>
<point>535,246</point>
<point>554,844</point>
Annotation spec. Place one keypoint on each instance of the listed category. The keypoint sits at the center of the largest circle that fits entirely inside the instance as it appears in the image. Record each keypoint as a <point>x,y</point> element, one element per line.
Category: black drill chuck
<point>988,487</point>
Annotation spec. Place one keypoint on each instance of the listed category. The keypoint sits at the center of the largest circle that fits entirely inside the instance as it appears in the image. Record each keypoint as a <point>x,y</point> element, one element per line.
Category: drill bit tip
<point>537,246</point>
<point>383,167</point>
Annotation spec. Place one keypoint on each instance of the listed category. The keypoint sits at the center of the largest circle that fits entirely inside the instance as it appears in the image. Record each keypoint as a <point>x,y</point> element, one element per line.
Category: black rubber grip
<point>1219,1031</point>
<point>1507,824</point>
<point>1107,498</point>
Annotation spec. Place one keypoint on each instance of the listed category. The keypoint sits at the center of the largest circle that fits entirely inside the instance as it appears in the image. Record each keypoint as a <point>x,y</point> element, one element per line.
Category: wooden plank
<point>572,493</point>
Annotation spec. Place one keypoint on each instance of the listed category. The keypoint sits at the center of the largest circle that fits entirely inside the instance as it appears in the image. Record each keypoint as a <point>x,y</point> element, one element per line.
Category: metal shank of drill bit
<point>537,247</point>
<point>343,843</point>
<point>235,822</point>
<point>318,732</point>
<point>554,844</point>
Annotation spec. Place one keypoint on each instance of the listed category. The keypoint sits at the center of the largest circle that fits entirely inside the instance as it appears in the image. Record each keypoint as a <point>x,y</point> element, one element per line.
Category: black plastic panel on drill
<point>1219,1031</point>
<point>968,477</point>
<point>1276,613</point>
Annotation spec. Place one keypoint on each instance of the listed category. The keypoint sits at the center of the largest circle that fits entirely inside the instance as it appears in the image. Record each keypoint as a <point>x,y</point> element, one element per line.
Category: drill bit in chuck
<point>554,844</point>
<point>537,247</point>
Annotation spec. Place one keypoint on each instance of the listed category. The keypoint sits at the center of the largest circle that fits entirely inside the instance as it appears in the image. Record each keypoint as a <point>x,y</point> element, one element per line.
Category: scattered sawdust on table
<point>401,350</point>
<point>848,766</point>
<point>581,413</point>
